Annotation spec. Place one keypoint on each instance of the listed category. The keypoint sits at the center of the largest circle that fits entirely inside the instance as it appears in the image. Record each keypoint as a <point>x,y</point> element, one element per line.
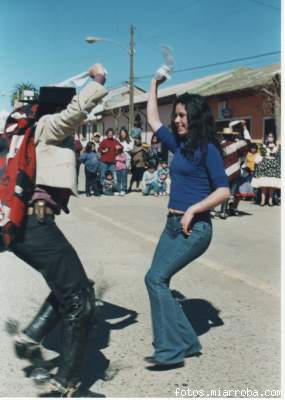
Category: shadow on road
<point>95,364</point>
<point>201,313</point>
<point>243,214</point>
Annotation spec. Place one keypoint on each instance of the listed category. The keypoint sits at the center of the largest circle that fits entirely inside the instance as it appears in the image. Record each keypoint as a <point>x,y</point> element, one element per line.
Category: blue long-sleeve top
<point>192,179</point>
<point>90,160</point>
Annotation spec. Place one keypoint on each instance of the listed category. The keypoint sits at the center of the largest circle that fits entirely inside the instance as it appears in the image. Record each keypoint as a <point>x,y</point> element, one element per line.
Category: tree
<point>273,91</point>
<point>19,89</point>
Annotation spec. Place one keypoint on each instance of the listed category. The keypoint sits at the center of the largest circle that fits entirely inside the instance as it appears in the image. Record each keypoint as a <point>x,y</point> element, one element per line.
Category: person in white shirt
<point>149,181</point>
<point>97,139</point>
<point>242,122</point>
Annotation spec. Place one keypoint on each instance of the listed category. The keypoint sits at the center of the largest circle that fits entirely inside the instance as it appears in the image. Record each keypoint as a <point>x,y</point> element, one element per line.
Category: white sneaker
<point>122,193</point>
<point>116,193</point>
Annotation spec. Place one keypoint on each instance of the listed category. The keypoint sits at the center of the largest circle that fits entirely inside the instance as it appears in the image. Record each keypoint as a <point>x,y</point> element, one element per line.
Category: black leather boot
<point>77,320</point>
<point>224,210</point>
<point>27,343</point>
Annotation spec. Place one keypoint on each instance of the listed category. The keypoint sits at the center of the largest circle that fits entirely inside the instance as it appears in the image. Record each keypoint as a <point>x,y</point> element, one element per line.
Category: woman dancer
<point>267,174</point>
<point>198,184</point>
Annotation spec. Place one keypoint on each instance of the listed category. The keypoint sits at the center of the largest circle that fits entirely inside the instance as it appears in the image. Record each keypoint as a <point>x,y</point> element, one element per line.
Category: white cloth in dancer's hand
<point>163,71</point>
<point>166,69</point>
<point>77,80</point>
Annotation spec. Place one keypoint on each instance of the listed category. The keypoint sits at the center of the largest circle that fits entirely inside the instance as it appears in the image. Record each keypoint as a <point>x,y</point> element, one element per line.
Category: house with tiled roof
<point>242,93</point>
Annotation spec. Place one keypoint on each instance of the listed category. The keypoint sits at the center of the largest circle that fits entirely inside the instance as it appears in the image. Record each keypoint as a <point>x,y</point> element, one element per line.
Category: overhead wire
<point>216,64</point>
<point>143,77</point>
<point>265,4</point>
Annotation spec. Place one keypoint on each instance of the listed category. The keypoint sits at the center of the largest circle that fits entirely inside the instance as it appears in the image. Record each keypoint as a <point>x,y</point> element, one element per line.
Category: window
<point>269,126</point>
<point>221,106</point>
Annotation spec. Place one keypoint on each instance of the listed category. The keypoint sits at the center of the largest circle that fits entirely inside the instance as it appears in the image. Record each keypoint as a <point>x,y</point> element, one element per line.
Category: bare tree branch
<point>271,94</point>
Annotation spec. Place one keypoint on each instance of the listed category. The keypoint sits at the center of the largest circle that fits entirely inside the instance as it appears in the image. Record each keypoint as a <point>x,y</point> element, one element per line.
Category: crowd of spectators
<point>117,164</point>
<point>114,163</point>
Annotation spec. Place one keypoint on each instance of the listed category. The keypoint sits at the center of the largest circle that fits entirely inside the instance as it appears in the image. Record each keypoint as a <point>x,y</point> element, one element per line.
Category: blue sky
<point>42,41</point>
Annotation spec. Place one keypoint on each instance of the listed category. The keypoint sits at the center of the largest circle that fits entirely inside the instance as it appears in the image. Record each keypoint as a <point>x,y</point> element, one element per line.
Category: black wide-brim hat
<point>53,99</point>
<point>56,95</point>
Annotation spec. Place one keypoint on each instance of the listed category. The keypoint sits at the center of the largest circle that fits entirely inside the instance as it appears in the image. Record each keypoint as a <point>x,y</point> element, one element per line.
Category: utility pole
<point>131,81</point>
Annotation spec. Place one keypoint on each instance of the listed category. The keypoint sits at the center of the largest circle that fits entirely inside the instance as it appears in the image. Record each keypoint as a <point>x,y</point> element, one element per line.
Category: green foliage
<point>19,88</point>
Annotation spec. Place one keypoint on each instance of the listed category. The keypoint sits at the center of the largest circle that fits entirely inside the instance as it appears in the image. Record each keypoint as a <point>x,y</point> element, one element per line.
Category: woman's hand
<point>219,196</point>
<point>96,69</point>
<point>186,221</point>
<point>98,73</point>
<point>160,80</point>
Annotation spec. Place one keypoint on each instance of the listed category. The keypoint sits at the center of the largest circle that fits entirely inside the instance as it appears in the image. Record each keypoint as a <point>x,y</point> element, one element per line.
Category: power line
<point>137,78</point>
<point>265,5</point>
<point>215,64</point>
<point>248,64</point>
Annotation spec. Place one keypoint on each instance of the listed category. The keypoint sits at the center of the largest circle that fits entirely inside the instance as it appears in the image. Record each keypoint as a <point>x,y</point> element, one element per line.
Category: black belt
<point>172,214</point>
<point>33,211</point>
<point>40,210</point>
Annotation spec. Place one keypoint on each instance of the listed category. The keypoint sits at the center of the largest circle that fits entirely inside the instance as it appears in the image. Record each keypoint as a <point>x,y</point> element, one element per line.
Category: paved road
<point>231,295</point>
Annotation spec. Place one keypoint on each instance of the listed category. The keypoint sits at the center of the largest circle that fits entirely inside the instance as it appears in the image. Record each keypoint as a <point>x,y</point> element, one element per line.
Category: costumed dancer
<point>39,177</point>
<point>234,152</point>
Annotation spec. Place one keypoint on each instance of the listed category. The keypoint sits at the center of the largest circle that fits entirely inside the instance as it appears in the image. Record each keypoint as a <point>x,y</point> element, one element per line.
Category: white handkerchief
<point>163,71</point>
<point>77,80</point>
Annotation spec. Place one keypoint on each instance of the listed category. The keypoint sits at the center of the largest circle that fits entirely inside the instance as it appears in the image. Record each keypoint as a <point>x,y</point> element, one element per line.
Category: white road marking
<point>225,270</point>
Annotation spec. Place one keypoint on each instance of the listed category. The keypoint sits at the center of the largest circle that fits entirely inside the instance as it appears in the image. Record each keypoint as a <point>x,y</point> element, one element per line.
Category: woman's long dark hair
<point>201,124</point>
<point>127,138</point>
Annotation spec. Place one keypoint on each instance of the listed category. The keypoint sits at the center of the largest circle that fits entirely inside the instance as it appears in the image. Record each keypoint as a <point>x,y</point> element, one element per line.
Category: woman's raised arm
<point>152,107</point>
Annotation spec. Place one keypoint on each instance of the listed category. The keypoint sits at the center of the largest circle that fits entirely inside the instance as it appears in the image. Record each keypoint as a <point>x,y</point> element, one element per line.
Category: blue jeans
<point>105,167</point>
<point>150,187</point>
<point>122,180</point>
<point>174,336</point>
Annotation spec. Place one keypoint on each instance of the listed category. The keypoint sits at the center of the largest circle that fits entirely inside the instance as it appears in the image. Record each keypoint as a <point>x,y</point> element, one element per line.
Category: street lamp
<point>131,51</point>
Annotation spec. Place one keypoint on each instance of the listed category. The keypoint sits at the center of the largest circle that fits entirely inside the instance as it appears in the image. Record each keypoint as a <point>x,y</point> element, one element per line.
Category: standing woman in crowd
<point>77,149</point>
<point>137,164</point>
<point>128,144</point>
<point>125,140</point>
<point>92,167</point>
<point>154,152</point>
<point>267,174</point>
<point>198,184</point>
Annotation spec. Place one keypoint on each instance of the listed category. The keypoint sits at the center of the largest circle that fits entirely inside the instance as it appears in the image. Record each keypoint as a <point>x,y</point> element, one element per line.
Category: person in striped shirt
<point>234,151</point>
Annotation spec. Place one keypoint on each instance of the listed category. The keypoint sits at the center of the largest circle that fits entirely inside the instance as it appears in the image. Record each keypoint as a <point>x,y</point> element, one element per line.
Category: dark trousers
<point>137,174</point>
<point>234,185</point>
<point>91,182</point>
<point>44,247</point>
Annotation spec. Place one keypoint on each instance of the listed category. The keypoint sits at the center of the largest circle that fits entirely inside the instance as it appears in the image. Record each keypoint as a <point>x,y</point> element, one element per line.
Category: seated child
<point>109,187</point>
<point>246,191</point>
<point>149,181</point>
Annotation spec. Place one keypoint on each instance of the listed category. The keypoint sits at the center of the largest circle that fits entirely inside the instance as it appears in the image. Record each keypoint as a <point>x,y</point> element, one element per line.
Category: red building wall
<point>256,107</point>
